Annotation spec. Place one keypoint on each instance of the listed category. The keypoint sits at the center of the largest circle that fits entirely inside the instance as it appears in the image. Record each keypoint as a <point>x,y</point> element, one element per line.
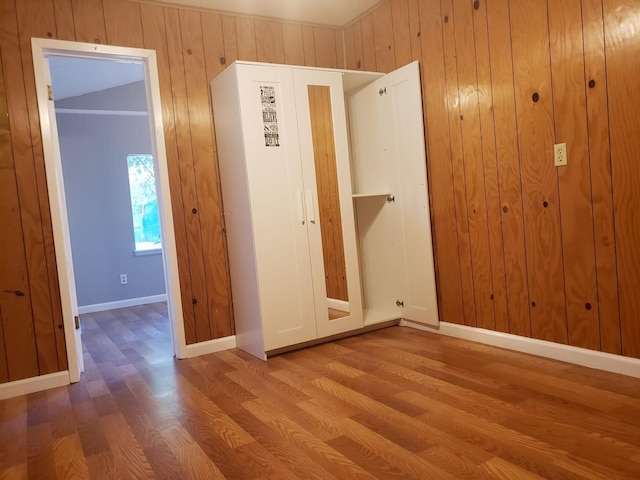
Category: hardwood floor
<point>396,403</point>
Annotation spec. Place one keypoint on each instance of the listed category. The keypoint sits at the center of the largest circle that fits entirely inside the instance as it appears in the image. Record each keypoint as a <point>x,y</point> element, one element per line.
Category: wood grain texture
<point>269,41</point>
<point>13,266</point>
<point>200,327</point>
<point>220,322</point>
<point>473,161</point>
<point>246,38</point>
<point>88,18</point>
<point>327,190</point>
<point>383,36</point>
<point>309,46</point>
<point>230,40</point>
<point>39,22</point>
<point>368,44</point>
<point>490,168</point>
<point>123,25</point>
<point>534,108</point>
<point>574,180</point>
<point>395,403</point>
<point>414,30</point>
<point>65,29</point>
<point>458,168</point>
<point>402,32</point>
<point>155,37</point>
<point>620,21</point>
<point>440,168</point>
<point>601,187</point>
<point>326,51</point>
<point>509,170</point>
<point>293,44</point>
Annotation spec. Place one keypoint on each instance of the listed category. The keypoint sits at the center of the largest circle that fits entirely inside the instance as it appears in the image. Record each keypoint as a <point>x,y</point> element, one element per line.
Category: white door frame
<point>55,184</point>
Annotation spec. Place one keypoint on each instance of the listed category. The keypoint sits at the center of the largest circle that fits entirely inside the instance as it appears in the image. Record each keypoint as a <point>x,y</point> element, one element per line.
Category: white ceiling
<point>77,76</point>
<point>325,12</point>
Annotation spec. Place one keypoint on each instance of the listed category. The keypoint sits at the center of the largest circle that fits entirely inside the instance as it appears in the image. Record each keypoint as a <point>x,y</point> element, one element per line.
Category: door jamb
<point>55,184</point>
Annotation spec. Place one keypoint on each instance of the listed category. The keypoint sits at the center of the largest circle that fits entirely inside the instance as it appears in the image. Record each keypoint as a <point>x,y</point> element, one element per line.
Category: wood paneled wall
<point>192,48</point>
<point>523,246</point>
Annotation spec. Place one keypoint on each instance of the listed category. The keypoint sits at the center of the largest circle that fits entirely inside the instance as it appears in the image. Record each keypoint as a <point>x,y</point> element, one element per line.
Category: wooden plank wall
<point>521,245</point>
<point>192,46</point>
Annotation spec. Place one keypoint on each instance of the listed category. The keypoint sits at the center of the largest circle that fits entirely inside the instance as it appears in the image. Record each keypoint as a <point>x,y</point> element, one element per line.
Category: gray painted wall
<point>94,151</point>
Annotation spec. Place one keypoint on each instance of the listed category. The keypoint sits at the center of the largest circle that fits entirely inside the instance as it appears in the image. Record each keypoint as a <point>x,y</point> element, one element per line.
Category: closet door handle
<point>301,206</point>
<point>311,215</point>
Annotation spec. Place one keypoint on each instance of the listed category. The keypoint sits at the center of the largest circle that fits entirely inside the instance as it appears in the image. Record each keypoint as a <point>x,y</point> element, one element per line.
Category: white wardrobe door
<point>420,302</point>
<point>350,308</point>
<point>277,204</point>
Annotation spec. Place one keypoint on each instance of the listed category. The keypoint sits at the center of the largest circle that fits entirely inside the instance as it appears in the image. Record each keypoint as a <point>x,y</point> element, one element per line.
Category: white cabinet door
<point>395,237</point>
<point>276,189</point>
<point>324,152</point>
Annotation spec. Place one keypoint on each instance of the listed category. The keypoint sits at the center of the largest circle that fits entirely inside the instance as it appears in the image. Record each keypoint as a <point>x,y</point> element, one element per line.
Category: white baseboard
<point>338,304</point>
<point>210,346</point>
<point>34,384</point>
<point>129,302</point>
<point>557,351</point>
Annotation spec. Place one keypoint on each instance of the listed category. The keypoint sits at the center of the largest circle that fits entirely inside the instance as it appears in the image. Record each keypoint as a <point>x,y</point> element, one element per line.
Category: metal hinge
<point>50,92</point>
<point>76,319</point>
<point>400,303</point>
<point>382,91</point>
<point>391,199</point>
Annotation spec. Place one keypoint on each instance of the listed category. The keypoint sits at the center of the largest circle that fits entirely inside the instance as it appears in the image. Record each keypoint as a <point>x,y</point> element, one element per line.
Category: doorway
<point>144,61</point>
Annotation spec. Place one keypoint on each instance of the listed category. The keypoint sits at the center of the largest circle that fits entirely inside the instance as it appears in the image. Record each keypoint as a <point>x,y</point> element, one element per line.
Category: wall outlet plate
<point>560,154</point>
<point>123,279</point>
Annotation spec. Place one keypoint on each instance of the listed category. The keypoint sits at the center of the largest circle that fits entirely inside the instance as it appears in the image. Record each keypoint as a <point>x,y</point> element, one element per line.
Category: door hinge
<point>76,319</point>
<point>50,92</point>
<point>400,303</point>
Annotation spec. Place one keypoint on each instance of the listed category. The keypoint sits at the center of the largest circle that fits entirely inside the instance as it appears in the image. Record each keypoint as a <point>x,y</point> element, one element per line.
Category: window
<point>144,204</point>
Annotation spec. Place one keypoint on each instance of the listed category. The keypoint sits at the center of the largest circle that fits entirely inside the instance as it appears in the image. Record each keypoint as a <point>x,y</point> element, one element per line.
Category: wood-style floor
<point>396,403</point>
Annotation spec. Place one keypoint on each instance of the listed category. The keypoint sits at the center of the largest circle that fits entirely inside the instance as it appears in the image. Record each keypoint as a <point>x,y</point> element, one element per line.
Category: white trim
<point>84,111</point>
<point>557,351</point>
<point>41,49</point>
<point>338,304</point>
<point>210,346</point>
<point>34,384</point>
<point>128,302</point>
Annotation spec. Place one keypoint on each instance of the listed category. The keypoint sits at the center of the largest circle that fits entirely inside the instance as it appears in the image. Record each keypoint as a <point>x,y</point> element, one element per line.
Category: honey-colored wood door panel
<point>601,187</point>
<point>574,179</point>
